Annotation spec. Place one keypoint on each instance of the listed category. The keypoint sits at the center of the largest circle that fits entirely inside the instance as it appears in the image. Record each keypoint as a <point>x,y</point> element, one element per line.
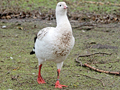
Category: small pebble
<point>11,57</point>
<point>3,27</point>
<point>83,30</point>
<point>33,73</point>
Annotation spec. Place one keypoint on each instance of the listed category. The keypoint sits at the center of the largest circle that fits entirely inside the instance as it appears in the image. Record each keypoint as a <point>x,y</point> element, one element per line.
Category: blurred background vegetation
<point>94,6</point>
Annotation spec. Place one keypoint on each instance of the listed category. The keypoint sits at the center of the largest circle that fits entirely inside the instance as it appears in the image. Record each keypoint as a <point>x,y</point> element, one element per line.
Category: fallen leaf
<point>8,17</point>
<point>16,68</point>
<point>15,77</point>
<point>20,28</point>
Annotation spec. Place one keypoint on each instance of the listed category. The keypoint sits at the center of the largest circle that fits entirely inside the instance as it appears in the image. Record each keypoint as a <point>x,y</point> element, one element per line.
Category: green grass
<point>74,5</point>
<point>20,73</point>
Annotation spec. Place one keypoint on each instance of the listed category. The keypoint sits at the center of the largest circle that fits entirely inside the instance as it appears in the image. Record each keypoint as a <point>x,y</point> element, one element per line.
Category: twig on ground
<point>102,71</point>
<point>78,61</point>
<point>97,70</point>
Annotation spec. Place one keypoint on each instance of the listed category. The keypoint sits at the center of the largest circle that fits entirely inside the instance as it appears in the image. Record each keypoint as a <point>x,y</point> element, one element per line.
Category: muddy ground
<point>18,69</point>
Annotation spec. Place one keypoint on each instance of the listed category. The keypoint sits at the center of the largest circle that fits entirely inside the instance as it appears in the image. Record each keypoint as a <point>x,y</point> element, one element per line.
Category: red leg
<point>40,80</point>
<point>57,84</point>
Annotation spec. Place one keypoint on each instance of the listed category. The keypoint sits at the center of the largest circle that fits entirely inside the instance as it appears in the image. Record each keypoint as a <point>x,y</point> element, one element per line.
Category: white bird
<point>54,43</point>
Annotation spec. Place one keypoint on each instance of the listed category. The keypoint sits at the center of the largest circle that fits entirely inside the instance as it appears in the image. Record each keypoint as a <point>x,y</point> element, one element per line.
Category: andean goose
<point>54,43</point>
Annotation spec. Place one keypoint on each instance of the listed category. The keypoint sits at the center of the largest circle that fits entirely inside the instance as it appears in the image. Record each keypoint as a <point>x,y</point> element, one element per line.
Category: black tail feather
<point>35,38</point>
<point>32,52</point>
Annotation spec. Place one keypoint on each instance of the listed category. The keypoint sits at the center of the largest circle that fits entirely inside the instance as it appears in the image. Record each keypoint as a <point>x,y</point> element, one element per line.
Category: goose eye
<point>60,5</point>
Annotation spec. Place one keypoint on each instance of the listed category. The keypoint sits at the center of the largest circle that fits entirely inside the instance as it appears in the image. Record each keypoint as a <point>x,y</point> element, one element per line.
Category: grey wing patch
<point>43,32</point>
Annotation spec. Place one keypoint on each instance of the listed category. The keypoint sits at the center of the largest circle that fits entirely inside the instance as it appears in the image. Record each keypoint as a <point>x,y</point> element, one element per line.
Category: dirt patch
<point>81,17</point>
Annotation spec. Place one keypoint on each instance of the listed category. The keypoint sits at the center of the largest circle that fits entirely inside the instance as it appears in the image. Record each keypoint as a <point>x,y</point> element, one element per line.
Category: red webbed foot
<point>58,85</point>
<point>40,80</point>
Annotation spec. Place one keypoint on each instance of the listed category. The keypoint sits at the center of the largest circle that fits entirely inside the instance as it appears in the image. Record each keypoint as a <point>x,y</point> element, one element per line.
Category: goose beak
<point>65,7</point>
